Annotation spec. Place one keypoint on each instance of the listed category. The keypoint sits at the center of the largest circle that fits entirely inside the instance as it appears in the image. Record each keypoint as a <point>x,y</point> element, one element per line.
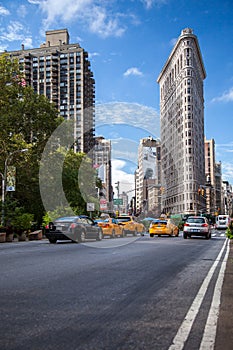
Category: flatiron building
<point>182,127</point>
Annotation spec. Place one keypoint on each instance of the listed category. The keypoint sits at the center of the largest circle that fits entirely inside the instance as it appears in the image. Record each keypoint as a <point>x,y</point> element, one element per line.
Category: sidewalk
<point>224,336</point>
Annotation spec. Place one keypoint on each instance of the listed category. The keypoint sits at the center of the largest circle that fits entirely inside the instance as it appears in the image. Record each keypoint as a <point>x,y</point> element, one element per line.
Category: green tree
<point>79,181</point>
<point>72,181</point>
<point>27,120</point>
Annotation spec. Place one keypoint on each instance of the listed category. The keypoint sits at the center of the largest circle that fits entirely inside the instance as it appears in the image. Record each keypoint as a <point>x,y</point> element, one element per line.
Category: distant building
<point>218,185</point>
<point>227,198</point>
<point>124,208</point>
<point>213,173</point>
<point>102,162</point>
<point>210,184</point>
<point>61,71</point>
<point>182,126</point>
<point>148,177</point>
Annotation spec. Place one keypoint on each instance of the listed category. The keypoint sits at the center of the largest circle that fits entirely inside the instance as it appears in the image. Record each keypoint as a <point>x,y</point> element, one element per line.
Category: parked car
<point>111,227</point>
<point>130,224</point>
<point>197,226</point>
<point>74,228</point>
<point>161,227</point>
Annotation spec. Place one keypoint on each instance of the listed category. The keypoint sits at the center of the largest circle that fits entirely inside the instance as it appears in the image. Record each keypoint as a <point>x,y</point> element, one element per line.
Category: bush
<point>58,212</point>
<point>181,226</point>
<point>229,231</point>
<point>22,222</point>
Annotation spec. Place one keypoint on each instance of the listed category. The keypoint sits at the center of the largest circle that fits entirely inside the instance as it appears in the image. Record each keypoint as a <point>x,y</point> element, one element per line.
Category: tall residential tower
<point>61,71</point>
<point>182,126</point>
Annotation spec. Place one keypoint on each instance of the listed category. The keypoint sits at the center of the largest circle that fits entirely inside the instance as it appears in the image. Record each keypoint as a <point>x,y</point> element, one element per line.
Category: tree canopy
<point>27,121</point>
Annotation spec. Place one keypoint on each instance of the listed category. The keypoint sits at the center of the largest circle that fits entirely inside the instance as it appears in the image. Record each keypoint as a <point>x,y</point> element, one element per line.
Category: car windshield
<point>159,223</point>
<point>123,219</point>
<point>67,219</point>
<point>196,220</point>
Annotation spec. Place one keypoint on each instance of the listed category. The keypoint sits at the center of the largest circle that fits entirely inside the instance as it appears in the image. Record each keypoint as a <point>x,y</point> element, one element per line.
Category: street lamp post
<point>4,175</point>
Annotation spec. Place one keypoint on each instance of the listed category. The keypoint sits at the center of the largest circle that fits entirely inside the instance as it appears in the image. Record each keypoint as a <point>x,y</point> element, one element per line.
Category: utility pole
<point>118,194</point>
<point>4,178</point>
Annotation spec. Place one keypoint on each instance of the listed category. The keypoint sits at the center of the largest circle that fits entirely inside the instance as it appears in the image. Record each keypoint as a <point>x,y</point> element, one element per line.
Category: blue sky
<point>128,43</point>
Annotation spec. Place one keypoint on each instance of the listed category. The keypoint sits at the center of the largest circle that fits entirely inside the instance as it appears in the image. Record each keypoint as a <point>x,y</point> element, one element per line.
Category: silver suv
<point>197,226</point>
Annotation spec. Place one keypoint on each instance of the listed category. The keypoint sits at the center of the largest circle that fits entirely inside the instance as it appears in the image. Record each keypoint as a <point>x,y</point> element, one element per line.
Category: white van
<point>222,221</point>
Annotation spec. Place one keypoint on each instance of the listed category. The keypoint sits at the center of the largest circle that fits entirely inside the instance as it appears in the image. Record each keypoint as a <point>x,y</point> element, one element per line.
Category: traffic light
<point>162,189</point>
<point>201,192</point>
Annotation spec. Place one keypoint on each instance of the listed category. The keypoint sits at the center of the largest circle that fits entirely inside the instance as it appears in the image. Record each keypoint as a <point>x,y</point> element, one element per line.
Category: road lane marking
<point>185,328</point>
<point>208,340</point>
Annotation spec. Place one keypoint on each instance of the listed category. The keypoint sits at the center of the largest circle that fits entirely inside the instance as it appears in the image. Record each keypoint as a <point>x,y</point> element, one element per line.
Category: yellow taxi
<point>111,228</point>
<point>131,226</point>
<point>161,227</point>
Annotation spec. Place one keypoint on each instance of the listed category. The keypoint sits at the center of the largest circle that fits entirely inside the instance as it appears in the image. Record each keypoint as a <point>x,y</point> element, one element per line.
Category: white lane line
<point>208,340</point>
<point>185,328</point>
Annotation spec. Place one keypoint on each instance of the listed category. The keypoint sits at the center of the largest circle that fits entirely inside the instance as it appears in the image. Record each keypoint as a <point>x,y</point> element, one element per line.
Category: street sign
<point>103,204</point>
<point>90,206</point>
<point>118,201</point>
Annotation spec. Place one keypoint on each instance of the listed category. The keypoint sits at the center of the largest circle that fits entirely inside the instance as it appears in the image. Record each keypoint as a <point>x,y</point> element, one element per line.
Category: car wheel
<point>82,237</point>
<point>100,235</point>
<point>52,240</point>
<point>185,235</point>
<point>175,233</point>
<point>151,235</point>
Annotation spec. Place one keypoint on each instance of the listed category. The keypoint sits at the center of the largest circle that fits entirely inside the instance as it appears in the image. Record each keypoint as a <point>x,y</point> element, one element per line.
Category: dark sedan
<point>74,228</point>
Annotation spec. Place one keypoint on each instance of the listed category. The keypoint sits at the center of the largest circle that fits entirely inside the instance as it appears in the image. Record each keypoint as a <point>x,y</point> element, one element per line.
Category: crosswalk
<point>217,234</point>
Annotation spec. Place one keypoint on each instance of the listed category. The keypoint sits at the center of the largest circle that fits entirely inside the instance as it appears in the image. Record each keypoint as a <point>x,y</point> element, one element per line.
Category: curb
<point>224,336</point>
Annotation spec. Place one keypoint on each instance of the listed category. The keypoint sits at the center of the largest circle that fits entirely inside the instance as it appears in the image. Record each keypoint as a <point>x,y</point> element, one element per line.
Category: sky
<point>128,42</point>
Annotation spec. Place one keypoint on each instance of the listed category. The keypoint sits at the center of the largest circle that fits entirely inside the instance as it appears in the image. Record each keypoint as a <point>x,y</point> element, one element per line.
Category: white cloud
<point>125,149</point>
<point>132,114</point>
<point>27,41</point>
<point>96,15</point>
<point>173,41</point>
<point>149,3</point>
<point>133,71</point>
<point>126,180</point>
<point>222,154</point>
<point>227,96</point>
<point>22,11</point>
<point>3,48</point>
<point>227,171</point>
<point>13,32</point>
<point>93,54</point>
<point>4,11</point>
<point>101,23</point>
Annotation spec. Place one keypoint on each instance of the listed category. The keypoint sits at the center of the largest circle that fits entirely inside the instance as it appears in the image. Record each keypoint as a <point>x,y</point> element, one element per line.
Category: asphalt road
<point>125,293</point>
